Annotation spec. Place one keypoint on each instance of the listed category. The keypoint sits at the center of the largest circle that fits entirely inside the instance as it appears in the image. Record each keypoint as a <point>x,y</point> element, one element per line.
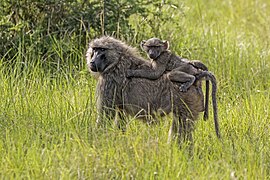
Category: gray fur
<point>137,96</point>
<point>179,70</point>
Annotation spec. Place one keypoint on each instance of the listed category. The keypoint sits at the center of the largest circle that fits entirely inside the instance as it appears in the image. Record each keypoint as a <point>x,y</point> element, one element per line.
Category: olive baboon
<point>179,69</point>
<point>111,58</point>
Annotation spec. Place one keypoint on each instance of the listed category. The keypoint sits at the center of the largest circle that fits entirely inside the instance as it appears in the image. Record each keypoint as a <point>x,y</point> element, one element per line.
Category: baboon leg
<point>185,130</point>
<point>182,77</point>
<point>186,133</point>
<point>105,117</point>
<point>198,85</point>
<point>174,129</point>
<point>163,111</point>
<point>199,65</point>
<point>120,121</point>
<point>181,131</point>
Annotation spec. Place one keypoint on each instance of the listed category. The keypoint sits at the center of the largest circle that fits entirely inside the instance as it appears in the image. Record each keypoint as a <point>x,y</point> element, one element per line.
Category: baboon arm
<point>141,62</point>
<point>148,72</point>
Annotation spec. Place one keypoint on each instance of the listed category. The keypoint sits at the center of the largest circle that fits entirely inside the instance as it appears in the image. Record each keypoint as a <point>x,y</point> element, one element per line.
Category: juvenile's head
<point>154,47</point>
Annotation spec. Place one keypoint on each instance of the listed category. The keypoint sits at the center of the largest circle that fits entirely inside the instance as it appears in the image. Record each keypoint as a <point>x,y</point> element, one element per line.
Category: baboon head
<point>97,61</point>
<point>101,55</point>
<point>154,47</point>
<point>106,52</point>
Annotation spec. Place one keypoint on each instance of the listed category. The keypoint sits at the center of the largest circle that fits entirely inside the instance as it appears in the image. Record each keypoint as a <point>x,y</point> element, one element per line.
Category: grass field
<point>47,119</point>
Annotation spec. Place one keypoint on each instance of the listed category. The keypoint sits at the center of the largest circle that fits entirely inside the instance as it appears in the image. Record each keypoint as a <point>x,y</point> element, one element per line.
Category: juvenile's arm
<point>148,72</point>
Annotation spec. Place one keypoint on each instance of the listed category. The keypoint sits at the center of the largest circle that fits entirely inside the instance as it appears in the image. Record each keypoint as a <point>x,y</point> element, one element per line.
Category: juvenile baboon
<point>178,69</point>
<point>139,97</point>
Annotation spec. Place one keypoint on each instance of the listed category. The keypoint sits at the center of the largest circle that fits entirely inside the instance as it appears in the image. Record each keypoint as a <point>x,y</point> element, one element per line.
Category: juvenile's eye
<point>102,49</point>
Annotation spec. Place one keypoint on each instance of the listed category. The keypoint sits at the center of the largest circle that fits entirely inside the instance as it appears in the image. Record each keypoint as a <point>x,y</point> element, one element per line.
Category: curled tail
<point>209,76</point>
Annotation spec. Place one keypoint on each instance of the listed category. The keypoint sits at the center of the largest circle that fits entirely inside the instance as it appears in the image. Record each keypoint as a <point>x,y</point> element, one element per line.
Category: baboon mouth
<point>152,56</point>
<point>93,68</point>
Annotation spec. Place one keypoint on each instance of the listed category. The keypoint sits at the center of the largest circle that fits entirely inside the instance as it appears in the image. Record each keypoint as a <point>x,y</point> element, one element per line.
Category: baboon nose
<point>93,66</point>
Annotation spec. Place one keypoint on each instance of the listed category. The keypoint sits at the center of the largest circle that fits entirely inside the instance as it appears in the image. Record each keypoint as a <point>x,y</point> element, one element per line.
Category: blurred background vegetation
<point>38,26</point>
<point>229,36</point>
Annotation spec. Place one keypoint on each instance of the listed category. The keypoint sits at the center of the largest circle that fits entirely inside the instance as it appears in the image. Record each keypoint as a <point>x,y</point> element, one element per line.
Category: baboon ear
<point>166,44</point>
<point>142,44</point>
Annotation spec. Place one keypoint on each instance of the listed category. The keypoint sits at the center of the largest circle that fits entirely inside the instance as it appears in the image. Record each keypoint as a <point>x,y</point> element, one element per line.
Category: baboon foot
<point>183,88</point>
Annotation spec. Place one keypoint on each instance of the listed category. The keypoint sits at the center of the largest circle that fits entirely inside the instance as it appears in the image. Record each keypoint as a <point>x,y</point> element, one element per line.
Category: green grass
<point>47,117</point>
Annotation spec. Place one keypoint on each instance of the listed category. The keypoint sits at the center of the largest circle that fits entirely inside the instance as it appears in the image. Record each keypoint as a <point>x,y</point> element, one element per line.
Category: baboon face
<point>97,62</point>
<point>154,47</point>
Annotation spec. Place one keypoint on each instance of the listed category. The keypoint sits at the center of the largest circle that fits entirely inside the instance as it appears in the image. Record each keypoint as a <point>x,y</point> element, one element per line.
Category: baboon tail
<point>206,103</point>
<point>212,78</point>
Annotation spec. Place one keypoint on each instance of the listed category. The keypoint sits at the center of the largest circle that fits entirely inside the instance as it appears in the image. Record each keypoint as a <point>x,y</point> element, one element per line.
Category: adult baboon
<point>139,97</point>
<point>179,69</point>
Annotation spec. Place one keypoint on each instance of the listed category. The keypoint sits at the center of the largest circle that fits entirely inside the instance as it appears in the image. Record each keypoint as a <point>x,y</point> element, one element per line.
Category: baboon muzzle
<point>93,66</point>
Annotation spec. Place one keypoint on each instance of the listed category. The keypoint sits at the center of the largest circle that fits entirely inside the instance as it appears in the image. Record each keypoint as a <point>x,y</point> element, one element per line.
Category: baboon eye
<point>102,49</point>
